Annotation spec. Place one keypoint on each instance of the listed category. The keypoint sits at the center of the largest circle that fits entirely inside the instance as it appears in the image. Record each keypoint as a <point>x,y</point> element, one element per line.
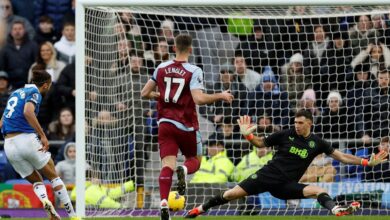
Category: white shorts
<point>22,152</point>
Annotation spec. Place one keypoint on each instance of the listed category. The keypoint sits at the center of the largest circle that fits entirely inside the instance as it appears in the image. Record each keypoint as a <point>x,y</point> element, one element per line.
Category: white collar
<point>30,86</point>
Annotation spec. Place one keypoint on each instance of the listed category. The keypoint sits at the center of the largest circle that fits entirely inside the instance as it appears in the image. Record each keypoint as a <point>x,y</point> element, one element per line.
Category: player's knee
<point>57,184</point>
<point>231,194</point>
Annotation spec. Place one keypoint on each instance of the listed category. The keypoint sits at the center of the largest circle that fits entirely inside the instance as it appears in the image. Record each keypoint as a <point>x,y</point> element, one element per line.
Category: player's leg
<point>59,188</point>
<point>191,147</point>
<point>235,193</point>
<point>252,185</point>
<point>167,135</point>
<point>327,202</point>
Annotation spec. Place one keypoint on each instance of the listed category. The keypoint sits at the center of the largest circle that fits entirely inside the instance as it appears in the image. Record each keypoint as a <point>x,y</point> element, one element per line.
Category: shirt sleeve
<point>34,97</point>
<point>326,147</point>
<point>197,80</point>
<point>274,139</point>
<point>154,77</point>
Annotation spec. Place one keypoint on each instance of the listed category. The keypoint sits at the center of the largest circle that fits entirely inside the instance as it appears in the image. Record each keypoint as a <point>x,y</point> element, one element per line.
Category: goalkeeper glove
<point>375,159</point>
<point>246,127</point>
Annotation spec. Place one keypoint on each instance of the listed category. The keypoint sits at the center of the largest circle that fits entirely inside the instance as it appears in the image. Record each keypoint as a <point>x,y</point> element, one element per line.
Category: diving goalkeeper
<point>295,150</point>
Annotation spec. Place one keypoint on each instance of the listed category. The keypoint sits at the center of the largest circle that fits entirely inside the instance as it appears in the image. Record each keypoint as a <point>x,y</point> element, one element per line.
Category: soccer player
<point>26,144</point>
<point>180,88</point>
<point>295,150</point>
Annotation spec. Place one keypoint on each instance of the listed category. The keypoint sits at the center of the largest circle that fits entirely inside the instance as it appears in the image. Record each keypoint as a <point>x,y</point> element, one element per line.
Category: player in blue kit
<point>26,145</point>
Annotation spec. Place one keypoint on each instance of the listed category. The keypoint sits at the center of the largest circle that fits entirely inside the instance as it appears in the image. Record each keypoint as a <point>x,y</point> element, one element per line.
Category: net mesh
<point>275,60</point>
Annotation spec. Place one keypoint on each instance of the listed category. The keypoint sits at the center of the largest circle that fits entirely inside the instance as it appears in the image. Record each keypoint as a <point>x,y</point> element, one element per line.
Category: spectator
<point>18,55</point>
<point>339,73</point>
<point>217,169</point>
<point>362,34</point>
<point>317,60</point>
<point>308,102</point>
<point>320,170</point>
<point>252,162</point>
<point>4,91</point>
<point>10,18</point>
<point>159,54</point>
<point>228,81</point>
<point>332,124</point>
<point>45,31</point>
<point>293,80</point>
<point>69,17</point>
<point>375,55</point>
<point>66,47</point>
<point>167,31</point>
<point>56,9</point>
<point>137,65</point>
<point>3,36</point>
<point>132,31</point>
<point>47,58</point>
<point>379,24</point>
<point>66,86</point>
<point>355,95</point>
<point>380,173</point>
<point>66,169</point>
<point>225,133</point>
<point>377,107</point>
<point>270,100</point>
<point>63,128</point>
<point>251,79</point>
<point>265,125</point>
<point>257,50</point>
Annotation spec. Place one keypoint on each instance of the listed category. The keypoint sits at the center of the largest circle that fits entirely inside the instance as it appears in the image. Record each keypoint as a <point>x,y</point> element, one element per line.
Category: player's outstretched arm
<point>374,160</point>
<point>201,98</point>
<point>149,90</point>
<point>247,128</point>
<point>29,114</point>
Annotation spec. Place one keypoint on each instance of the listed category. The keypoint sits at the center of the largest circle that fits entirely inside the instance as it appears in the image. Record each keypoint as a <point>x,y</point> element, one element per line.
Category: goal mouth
<point>274,60</point>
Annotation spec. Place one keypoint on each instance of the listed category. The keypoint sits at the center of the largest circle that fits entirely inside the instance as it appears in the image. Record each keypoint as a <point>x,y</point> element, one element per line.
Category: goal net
<point>331,60</point>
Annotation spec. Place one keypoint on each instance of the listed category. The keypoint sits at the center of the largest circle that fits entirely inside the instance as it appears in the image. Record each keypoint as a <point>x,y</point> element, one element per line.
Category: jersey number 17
<point>168,84</point>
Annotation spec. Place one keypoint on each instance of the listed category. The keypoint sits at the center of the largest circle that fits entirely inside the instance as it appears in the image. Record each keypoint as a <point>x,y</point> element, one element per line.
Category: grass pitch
<point>240,218</point>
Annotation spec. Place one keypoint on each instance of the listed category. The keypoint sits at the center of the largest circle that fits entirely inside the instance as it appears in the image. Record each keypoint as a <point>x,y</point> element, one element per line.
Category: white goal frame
<point>80,39</point>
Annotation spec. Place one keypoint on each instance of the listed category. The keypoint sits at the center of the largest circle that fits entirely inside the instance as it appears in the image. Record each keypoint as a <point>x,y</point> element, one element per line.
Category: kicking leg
<point>232,194</point>
<point>327,202</point>
<point>190,166</point>
<point>40,190</point>
<point>58,186</point>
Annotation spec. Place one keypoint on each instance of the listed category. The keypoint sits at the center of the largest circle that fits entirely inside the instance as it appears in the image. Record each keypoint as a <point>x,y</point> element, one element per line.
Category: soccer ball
<point>176,202</point>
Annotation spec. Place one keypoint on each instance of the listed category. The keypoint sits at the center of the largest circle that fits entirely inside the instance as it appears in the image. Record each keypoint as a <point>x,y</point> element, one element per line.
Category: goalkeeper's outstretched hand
<point>378,158</point>
<point>246,127</point>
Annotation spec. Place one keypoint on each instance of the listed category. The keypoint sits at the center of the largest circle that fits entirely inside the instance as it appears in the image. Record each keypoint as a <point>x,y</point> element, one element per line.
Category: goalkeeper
<point>296,148</point>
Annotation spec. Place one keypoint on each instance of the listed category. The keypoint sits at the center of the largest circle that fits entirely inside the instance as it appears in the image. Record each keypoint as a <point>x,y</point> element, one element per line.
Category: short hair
<point>45,19</point>
<point>304,113</point>
<point>40,77</point>
<point>183,42</point>
<point>68,24</point>
<point>19,22</point>
<point>384,139</point>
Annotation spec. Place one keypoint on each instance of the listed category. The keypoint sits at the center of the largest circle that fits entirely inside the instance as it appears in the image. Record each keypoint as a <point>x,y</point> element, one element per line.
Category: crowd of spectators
<point>337,67</point>
<point>41,35</point>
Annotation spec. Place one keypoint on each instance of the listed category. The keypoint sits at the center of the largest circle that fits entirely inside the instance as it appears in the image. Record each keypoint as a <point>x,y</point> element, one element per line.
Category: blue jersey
<point>13,116</point>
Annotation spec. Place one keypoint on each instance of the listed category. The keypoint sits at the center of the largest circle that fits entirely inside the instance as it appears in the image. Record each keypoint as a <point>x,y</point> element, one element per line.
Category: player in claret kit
<point>180,89</point>
<point>26,144</point>
<point>295,150</point>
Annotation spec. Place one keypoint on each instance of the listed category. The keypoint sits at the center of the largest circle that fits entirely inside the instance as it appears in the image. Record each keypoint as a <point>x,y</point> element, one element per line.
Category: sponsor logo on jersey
<point>291,138</point>
<point>312,144</point>
<point>300,152</point>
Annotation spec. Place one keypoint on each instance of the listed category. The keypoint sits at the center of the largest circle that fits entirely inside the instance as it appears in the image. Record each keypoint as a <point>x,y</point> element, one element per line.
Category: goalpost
<point>116,130</point>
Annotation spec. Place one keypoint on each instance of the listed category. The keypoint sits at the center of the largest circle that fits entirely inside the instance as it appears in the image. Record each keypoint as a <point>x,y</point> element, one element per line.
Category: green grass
<point>243,218</point>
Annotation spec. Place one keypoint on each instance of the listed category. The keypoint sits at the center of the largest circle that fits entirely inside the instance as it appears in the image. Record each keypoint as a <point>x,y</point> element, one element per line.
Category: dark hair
<point>227,120</point>
<point>19,22</point>
<point>40,77</point>
<point>362,68</point>
<point>304,113</point>
<point>45,19</point>
<point>183,42</point>
<point>385,139</point>
<point>68,24</point>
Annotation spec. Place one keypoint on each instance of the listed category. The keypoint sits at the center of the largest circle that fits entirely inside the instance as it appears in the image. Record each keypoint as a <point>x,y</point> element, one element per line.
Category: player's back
<point>13,117</point>
<point>175,79</point>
